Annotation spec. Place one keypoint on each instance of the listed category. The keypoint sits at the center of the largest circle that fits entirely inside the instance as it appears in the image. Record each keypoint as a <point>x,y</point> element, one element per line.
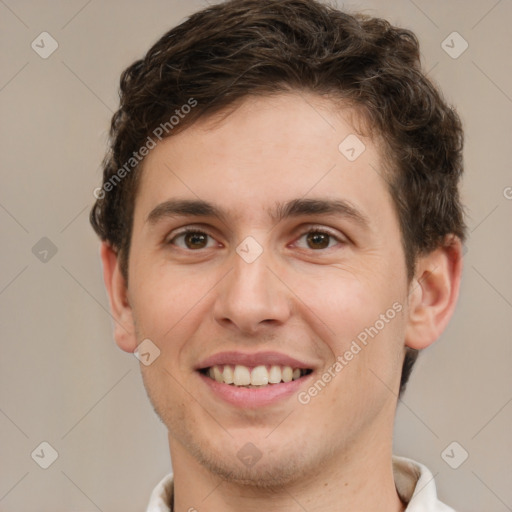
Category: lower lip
<point>254,397</point>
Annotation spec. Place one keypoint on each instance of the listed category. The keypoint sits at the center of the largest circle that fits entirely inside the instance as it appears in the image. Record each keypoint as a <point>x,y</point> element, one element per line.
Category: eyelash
<point>187,231</point>
<point>313,229</point>
<point>324,231</point>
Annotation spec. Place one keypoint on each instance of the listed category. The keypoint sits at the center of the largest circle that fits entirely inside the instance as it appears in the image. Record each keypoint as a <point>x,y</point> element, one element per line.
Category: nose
<point>252,297</point>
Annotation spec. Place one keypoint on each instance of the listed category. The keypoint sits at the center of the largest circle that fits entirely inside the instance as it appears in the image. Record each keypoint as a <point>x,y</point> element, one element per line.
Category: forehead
<point>265,152</point>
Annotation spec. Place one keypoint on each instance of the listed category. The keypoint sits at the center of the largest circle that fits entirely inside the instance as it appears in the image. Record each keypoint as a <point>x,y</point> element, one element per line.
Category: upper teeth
<point>257,376</point>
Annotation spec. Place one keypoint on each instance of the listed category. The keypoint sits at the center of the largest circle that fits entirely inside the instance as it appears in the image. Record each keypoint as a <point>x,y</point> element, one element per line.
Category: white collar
<point>414,483</point>
<point>416,486</point>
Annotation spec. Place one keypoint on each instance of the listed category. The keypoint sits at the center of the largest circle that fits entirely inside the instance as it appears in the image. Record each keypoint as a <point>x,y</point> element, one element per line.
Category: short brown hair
<point>239,48</point>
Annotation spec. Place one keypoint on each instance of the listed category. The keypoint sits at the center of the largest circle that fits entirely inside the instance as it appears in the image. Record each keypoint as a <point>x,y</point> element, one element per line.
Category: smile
<point>257,379</point>
<point>254,377</point>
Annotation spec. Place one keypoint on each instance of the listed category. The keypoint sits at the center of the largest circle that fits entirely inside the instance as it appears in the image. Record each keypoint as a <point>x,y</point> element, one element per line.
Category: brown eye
<point>318,240</point>
<point>192,240</point>
<point>196,240</point>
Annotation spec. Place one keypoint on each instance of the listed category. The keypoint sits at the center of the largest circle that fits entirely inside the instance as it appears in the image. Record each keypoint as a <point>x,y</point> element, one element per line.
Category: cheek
<point>360,319</point>
<point>344,301</point>
<point>167,302</point>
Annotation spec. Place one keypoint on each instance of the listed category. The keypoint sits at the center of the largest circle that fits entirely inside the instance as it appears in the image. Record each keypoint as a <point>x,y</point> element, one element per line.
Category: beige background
<point>64,381</point>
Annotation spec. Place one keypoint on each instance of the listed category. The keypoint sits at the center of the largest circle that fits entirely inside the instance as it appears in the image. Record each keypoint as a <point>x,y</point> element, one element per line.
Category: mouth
<point>260,376</point>
<point>252,380</point>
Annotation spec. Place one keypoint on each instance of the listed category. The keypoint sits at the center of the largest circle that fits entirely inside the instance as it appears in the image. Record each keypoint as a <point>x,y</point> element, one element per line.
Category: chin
<point>277,465</point>
<point>264,474</point>
<point>279,462</point>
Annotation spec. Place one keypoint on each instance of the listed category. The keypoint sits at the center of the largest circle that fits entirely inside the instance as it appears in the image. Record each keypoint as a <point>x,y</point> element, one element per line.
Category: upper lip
<point>254,359</point>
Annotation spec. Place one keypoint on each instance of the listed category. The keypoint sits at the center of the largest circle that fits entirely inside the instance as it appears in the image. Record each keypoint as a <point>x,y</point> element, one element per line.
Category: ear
<point>433,293</point>
<point>124,328</point>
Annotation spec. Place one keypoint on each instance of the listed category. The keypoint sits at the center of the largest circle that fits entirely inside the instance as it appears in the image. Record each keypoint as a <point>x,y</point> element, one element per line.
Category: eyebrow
<point>293,208</point>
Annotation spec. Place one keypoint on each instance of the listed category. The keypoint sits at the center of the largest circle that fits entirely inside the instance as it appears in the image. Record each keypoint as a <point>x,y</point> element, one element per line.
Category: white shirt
<point>414,483</point>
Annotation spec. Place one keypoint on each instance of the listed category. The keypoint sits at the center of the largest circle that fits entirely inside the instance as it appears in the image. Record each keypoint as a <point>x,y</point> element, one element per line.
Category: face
<point>292,268</point>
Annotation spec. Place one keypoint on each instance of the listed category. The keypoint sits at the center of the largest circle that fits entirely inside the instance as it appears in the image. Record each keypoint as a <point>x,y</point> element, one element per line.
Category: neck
<point>359,480</point>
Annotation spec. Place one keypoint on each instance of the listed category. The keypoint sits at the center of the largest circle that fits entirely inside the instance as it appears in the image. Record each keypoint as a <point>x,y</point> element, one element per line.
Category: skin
<point>296,298</point>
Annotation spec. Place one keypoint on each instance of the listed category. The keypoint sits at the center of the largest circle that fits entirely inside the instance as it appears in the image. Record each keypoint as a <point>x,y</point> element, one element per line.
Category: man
<point>282,233</point>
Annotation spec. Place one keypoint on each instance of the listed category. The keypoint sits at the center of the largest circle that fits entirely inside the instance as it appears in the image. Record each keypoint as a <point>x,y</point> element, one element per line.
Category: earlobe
<point>124,329</point>
<point>433,293</point>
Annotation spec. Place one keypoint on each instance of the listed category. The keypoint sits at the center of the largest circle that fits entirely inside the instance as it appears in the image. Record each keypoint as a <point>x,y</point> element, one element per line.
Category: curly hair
<point>239,48</point>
